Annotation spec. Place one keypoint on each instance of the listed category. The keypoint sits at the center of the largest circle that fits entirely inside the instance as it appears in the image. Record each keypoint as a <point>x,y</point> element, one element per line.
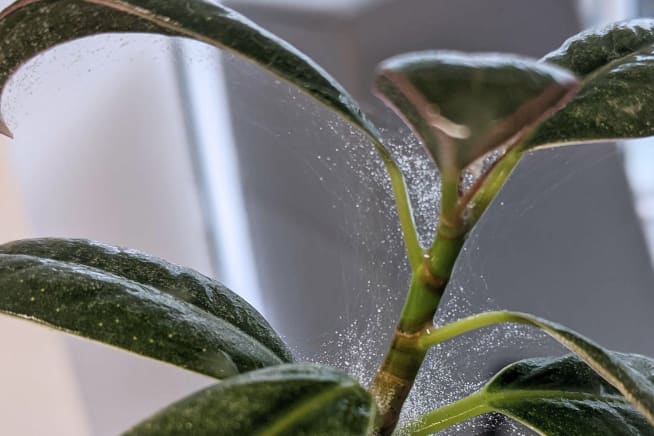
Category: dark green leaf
<point>182,283</point>
<point>631,376</point>
<point>465,105</point>
<point>564,397</point>
<point>139,303</point>
<point>616,99</point>
<point>284,400</point>
<point>629,380</point>
<point>28,27</point>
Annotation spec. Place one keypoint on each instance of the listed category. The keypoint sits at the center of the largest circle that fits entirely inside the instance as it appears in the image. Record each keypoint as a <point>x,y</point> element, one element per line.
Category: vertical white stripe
<point>217,162</point>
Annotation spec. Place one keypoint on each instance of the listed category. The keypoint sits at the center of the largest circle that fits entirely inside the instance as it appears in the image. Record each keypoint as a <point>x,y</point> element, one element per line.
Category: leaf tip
<point>4,130</point>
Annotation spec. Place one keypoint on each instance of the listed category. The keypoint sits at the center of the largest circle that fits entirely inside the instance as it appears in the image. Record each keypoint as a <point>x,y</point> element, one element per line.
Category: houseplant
<point>462,107</point>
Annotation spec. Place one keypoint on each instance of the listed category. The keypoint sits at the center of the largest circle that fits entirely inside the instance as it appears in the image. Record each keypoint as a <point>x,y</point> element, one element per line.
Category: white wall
<point>33,401</point>
<point>100,152</point>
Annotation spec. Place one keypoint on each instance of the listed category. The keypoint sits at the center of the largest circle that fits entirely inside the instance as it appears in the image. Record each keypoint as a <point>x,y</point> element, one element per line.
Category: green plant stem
<point>431,278</point>
<point>450,414</point>
<point>429,281</point>
<point>492,184</point>
<point>433,336</point>
<point>393,382</point>
<point>394,379</point>
<point>403,204</point>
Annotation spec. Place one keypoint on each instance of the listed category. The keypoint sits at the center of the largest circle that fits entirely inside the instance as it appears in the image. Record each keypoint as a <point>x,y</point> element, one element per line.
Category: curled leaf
<point>464,105</point>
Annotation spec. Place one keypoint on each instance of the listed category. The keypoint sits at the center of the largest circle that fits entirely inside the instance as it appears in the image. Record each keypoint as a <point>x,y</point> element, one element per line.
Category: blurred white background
<point>100,152</point>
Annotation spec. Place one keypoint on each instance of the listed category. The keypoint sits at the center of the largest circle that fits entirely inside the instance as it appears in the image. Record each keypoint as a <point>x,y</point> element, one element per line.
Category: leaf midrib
<point>300,410</point>
<point>519,395</point>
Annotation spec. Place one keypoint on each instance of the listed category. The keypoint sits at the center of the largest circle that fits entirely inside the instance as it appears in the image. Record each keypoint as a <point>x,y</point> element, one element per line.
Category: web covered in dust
<point>355,181</point>
<point>374,275</point>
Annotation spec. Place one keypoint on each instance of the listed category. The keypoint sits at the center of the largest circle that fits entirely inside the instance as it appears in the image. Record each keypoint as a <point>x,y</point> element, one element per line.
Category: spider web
<point>357,213</point>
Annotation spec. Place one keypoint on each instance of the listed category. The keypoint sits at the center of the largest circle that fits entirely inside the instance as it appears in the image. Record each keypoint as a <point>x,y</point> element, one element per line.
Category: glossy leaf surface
<point>465,105</point>
<point>28,27</point>
<point>564,397</point>
<point>182,283</point>
<point>616,99</point>
<point>135,302</point>
<point>284,400</point>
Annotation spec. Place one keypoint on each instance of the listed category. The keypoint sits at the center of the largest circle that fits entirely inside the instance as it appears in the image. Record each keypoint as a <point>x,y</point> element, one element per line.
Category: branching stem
<point>431,272</point>
<point>395,377</point>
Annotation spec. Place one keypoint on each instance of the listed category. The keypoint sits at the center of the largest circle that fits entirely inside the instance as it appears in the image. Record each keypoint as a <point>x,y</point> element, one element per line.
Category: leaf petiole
<point>481,196</point>
<point>451,414</point>
<point>403,204</point>
<point>435,335</point>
